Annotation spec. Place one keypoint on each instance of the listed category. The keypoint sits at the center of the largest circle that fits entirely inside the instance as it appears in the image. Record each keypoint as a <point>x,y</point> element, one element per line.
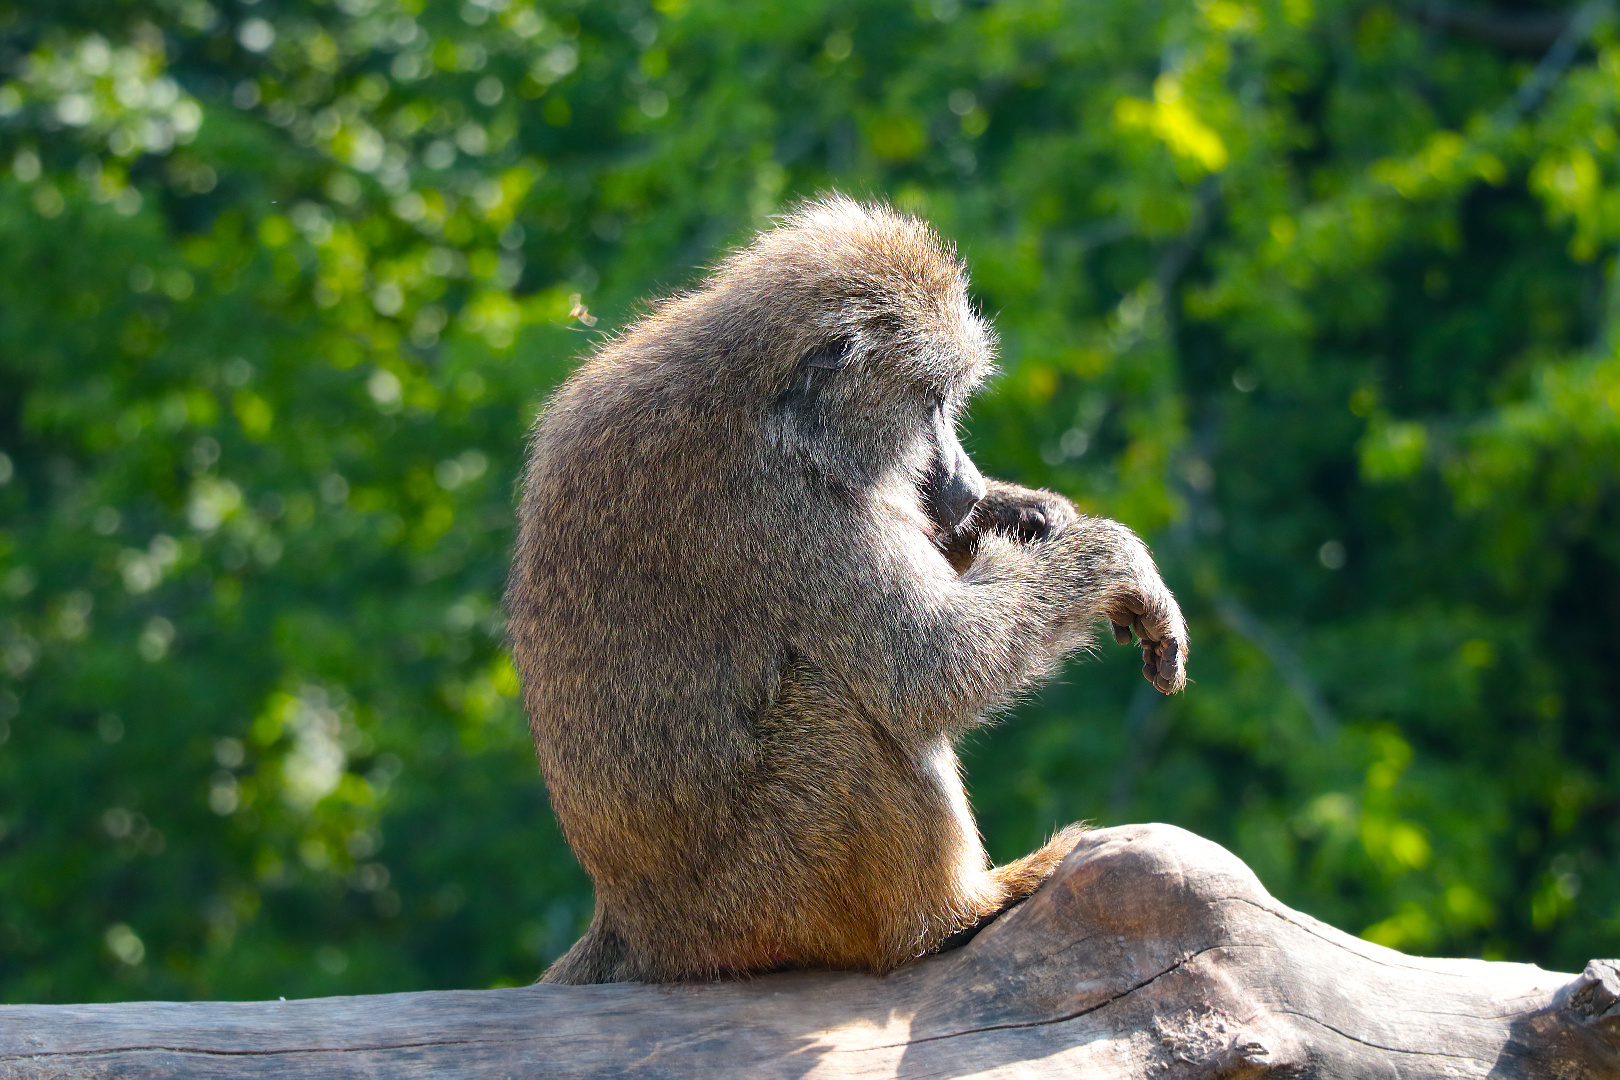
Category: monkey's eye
<point>830,357</point>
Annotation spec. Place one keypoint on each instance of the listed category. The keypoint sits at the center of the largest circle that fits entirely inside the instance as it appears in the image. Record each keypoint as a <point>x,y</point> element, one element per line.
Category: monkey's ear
<point>832,356</point>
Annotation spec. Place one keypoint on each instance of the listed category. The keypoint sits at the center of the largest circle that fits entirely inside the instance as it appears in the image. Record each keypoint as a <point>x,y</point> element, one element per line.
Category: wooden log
<point>1151,954</point>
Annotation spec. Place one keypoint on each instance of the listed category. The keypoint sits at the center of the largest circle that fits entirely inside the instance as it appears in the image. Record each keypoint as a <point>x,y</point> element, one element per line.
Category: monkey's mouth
<point>954,543</point>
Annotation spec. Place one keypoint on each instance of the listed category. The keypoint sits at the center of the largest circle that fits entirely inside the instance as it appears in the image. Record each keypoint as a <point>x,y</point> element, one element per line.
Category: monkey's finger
<point>1146,629</point>
<point>1168,655</point>
<point>1171,674</point>
<point>1172,666</point>
<point>1122,633</point>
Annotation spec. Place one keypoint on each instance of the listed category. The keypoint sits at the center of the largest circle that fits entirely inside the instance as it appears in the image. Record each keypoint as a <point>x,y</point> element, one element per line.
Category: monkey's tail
<point>599,956</point>
<point>1023,876</point>
<point>1014,882</point>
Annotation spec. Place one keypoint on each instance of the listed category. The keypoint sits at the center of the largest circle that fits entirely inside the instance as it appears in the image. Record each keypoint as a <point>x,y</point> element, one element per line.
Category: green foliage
<point>1318,294</point>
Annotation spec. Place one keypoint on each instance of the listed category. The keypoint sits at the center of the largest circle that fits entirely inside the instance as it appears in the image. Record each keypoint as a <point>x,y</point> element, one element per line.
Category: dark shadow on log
<point>1150,954</point>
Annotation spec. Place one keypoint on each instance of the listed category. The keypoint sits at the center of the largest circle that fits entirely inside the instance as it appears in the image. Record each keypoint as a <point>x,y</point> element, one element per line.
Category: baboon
<point>759,587</point>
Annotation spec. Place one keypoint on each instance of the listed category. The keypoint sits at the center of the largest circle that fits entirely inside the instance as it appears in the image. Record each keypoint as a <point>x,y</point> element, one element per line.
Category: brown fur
<point>745,650</point>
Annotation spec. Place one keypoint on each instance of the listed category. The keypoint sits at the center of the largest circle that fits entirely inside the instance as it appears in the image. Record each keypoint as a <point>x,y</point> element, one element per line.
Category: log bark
<point>1150,954</point>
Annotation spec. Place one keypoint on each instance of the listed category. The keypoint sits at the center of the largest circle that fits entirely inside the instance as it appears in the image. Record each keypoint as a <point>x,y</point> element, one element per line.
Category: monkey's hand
<point>1026,514</point>
<point>1110,575</point>
<point>1146,608</point>
<point>1029,514</point>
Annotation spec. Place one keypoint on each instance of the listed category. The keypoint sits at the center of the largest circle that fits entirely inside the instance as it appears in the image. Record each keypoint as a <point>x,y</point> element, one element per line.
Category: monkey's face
<point>853,327</point>
<point>857,414</point>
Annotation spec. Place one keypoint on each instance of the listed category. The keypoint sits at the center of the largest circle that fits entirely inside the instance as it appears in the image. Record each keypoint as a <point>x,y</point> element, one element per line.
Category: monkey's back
<point>627,647</point>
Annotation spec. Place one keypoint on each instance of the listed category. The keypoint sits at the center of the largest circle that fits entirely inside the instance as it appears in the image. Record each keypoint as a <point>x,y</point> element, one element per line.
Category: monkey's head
<point>854,326</point>
<point>838,349</point>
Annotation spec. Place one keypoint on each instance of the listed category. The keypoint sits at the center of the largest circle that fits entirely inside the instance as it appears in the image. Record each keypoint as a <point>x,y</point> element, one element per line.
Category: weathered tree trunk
<point>1151,953</point>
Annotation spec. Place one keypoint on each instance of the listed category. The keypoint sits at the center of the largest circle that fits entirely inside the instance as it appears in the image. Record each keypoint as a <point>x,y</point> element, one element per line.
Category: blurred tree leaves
<point>1320,296</point>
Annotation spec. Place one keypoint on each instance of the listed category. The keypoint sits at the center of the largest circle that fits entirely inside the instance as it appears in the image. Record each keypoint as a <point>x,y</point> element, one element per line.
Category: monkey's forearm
<point>1022,606</point>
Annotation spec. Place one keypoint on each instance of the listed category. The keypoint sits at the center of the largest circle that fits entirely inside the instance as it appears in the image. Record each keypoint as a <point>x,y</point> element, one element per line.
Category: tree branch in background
<point>1530,31</point>
<point>1557,59</point>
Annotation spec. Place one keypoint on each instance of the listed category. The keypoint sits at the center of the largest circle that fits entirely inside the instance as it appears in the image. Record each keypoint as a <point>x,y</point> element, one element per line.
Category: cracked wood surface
<point>1150,954</point>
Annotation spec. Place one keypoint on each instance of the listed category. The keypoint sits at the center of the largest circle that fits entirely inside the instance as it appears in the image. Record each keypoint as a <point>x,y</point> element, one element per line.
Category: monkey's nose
<point>960,499</point>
